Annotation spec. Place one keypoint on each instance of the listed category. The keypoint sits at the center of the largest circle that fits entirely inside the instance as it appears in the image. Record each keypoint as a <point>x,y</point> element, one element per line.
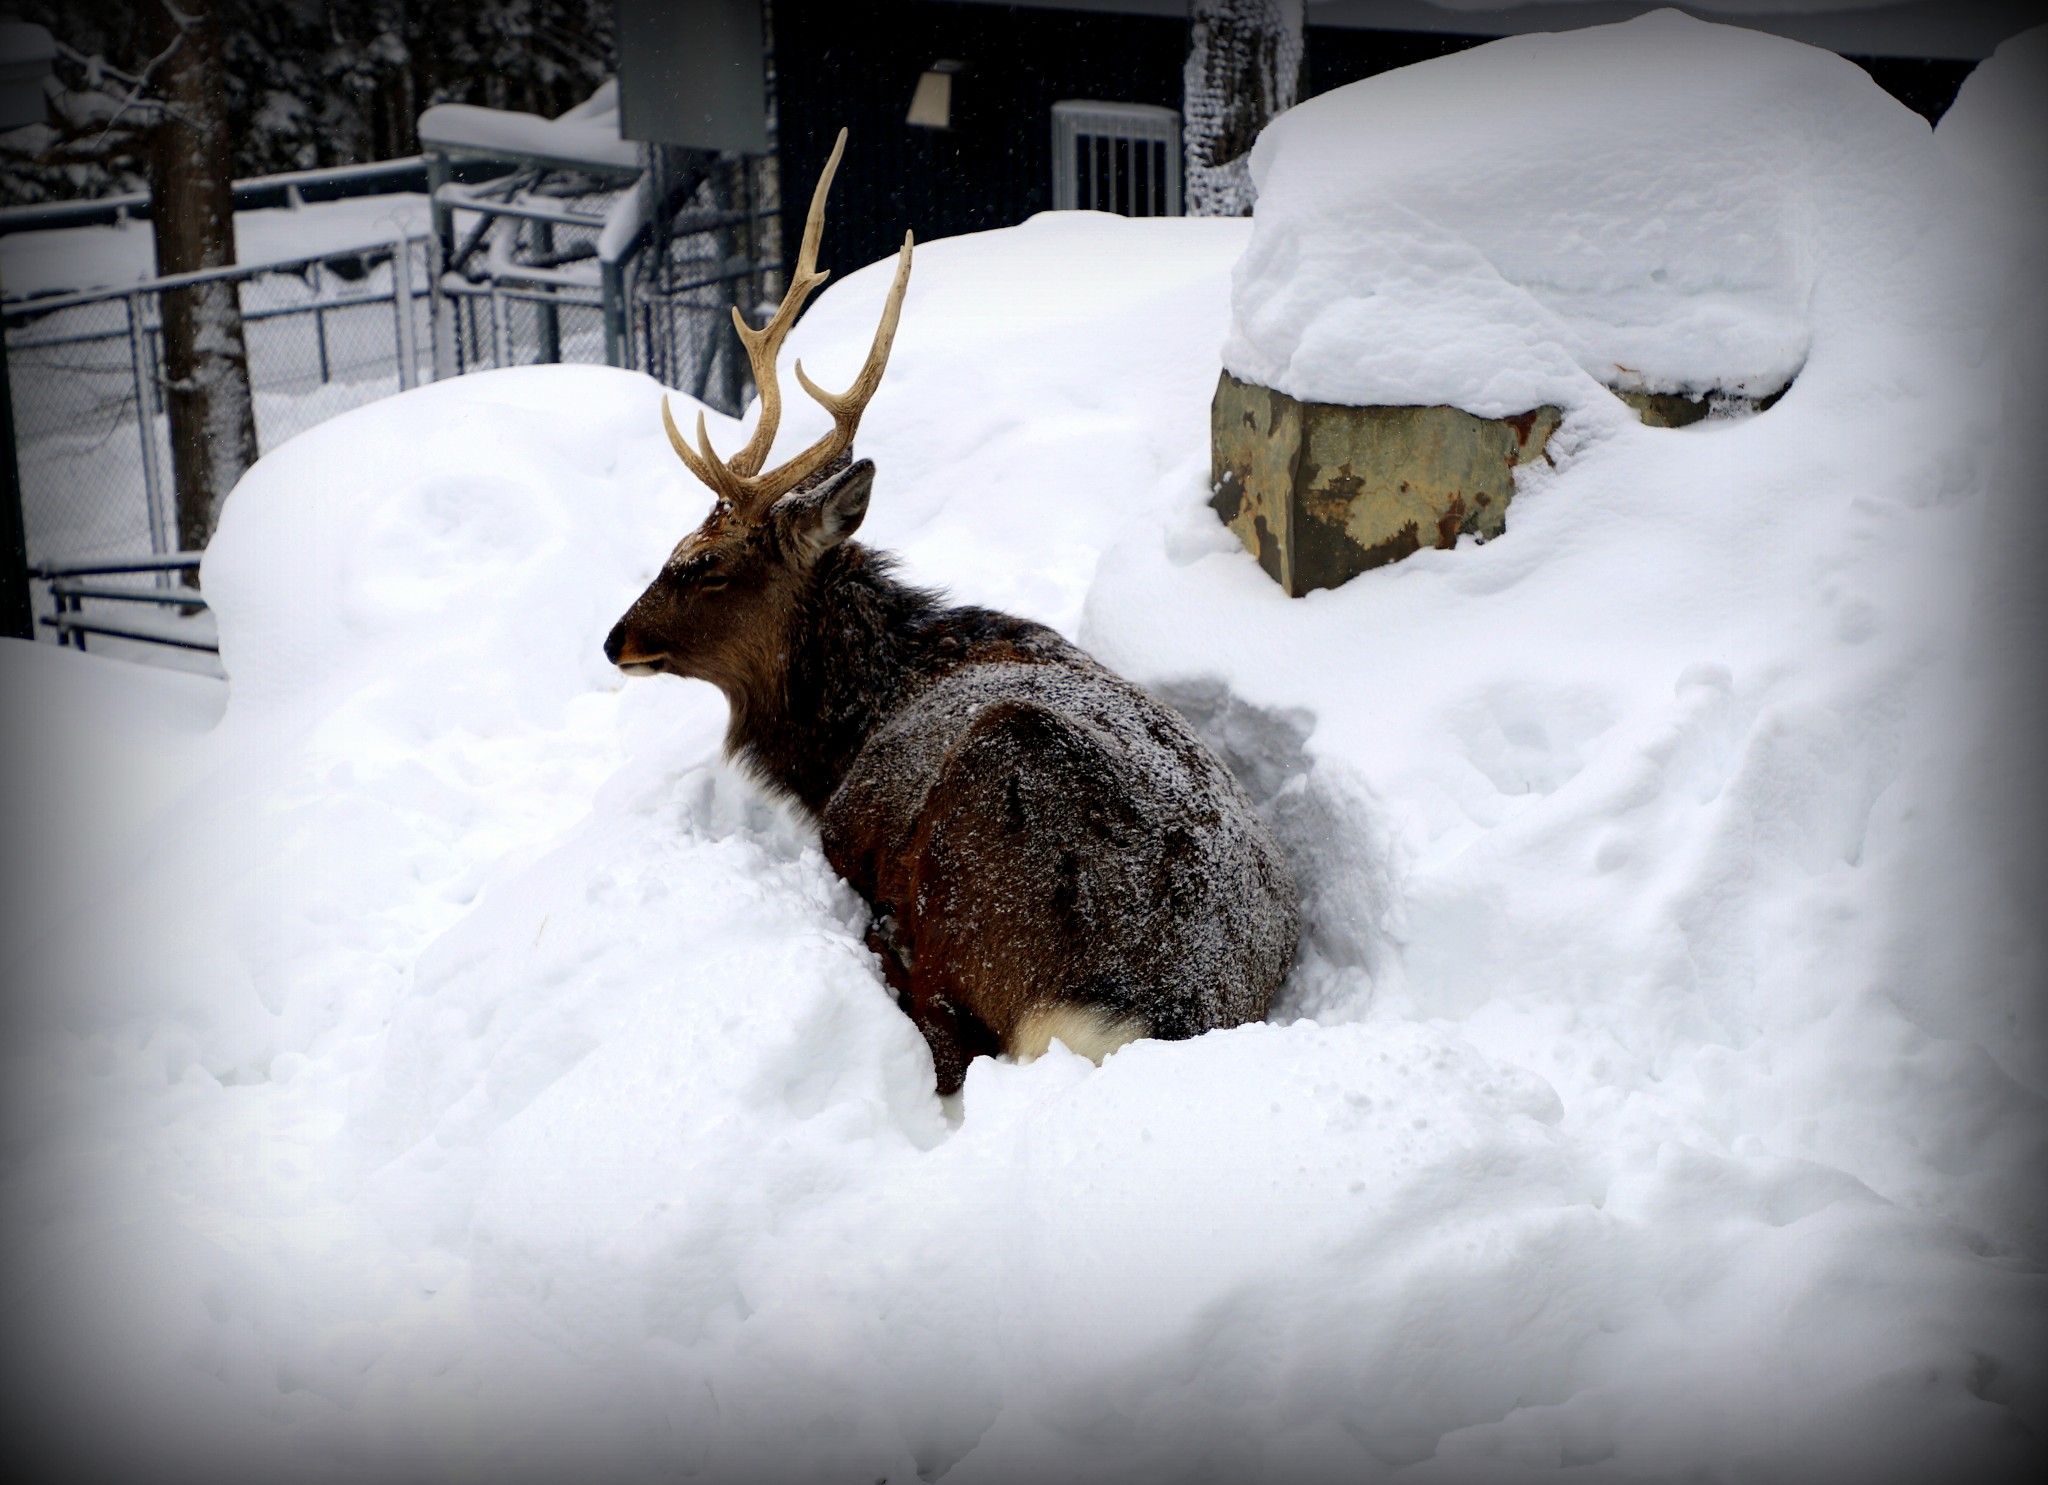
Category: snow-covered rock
<point>1664,205</point>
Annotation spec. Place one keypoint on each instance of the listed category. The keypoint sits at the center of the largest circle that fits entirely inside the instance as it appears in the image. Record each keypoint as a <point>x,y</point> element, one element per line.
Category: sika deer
<point>1047,850</point>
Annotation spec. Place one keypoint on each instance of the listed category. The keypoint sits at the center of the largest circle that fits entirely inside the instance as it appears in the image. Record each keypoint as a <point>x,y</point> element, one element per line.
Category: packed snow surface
<point>445,1066</point>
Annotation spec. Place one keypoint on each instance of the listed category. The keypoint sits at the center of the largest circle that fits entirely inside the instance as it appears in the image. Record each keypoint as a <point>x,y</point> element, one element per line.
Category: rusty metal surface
<point>1663,409</point>
<point>1675,410</point>
<point>1255,452</point>
<point>1320,493</point>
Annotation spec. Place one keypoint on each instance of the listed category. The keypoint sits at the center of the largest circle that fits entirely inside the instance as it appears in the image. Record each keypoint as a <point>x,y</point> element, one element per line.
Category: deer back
<point>1051,833</point>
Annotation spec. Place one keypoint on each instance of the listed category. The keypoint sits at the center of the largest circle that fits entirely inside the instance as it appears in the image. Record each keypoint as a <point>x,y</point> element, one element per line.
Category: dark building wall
<point>1343,54</point>
<point>1927,85</point>
<point>857,65</point>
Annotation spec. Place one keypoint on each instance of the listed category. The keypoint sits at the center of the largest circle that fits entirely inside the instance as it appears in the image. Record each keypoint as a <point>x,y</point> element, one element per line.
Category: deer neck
<point>852,654</point>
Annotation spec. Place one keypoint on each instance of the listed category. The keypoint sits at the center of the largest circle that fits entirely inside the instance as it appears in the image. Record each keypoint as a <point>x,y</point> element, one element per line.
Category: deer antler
<point>738,480</point>
<point>765,344</point>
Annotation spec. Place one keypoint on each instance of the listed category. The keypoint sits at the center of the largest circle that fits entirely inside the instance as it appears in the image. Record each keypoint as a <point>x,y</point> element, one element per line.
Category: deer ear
<point>819,518</point>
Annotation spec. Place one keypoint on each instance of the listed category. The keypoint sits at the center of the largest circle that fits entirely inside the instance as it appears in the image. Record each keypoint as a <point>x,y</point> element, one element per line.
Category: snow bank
<point>1989,130</point>
<point>484,1081</point>
<point>1665,205</point>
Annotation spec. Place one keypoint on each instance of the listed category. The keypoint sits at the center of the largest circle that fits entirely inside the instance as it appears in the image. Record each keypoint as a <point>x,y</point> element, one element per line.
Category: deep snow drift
<point>447,1064</point>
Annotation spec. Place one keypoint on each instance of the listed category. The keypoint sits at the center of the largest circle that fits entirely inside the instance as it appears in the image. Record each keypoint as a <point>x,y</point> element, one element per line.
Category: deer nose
<point>620,649</point>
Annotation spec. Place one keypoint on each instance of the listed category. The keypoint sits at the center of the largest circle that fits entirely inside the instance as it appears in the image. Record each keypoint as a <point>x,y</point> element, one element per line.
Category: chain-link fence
<point>556,265</point>
<point>683,334</point>
<point>506,324</point>
<point>86,372</point>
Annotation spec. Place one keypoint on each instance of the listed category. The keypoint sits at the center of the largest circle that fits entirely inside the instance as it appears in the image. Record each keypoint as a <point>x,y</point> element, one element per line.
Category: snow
<point>587,133</point>
<point>64,258</point>
<point>1661,205</point>
<point>445,1065</point>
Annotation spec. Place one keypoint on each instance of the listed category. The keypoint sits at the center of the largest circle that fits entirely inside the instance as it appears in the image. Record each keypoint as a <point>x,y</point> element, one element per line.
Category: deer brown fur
<point>1047,850</point>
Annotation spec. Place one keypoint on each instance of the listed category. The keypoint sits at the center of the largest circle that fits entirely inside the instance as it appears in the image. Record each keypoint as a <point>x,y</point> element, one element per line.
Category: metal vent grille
<point>1120,157</point>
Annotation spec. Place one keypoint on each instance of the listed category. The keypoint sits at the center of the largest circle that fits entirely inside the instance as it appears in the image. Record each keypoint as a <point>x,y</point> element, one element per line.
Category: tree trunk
<point>206,362</point>
<point>1244,66</point>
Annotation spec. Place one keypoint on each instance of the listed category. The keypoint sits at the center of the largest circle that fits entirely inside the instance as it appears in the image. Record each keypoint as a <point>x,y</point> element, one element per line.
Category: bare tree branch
<point>141,81</point>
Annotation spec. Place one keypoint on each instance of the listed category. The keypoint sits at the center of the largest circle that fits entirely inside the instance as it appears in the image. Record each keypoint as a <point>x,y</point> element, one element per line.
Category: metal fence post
<point>442,328</point>
<point>501,328</point>
<point>319,283</point>
<point>145,421</point>
<point>401,306</point>
<point>17,620</point>
<point>440,212</point>
<point>547,323</point>
<point>613,279</point>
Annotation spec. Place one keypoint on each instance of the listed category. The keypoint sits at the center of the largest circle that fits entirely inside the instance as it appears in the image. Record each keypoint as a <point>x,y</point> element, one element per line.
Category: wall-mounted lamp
<point>931,106</point>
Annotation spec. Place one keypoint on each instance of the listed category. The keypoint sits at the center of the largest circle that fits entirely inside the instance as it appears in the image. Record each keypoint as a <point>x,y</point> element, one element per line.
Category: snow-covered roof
<point>585,136</point>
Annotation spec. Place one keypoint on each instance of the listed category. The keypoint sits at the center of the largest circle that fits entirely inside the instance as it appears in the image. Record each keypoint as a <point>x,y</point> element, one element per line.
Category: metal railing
<point>69,596</point>
<point>256,193</point>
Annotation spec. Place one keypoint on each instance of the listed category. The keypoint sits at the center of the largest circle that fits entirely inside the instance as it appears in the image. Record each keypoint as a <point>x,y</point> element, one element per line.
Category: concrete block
<point>1320,493</point>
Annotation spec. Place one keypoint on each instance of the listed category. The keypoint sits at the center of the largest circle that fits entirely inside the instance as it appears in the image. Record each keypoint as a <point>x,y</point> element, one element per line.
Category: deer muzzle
<point>622,652</point>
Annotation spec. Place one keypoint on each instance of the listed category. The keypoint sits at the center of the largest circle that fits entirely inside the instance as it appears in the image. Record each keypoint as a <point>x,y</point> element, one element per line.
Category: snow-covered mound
<point>1993,129</point>
<point>1665,205</point>
<point>447,1067</point>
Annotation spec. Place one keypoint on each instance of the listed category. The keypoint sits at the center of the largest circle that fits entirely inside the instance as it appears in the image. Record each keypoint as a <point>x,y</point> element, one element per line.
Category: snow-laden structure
<point>1664,205</point>
<point>587,134</point>
<point>446,1066</point>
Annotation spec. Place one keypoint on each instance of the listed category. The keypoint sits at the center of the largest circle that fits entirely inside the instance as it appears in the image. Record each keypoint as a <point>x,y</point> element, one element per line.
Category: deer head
<point>719,607</point>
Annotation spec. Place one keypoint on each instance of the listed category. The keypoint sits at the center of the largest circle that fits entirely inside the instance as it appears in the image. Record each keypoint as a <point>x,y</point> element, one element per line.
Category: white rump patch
<point>1084,1029</point>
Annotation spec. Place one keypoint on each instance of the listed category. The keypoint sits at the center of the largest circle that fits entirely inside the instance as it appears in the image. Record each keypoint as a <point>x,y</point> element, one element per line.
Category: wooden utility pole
<point>206,360</point>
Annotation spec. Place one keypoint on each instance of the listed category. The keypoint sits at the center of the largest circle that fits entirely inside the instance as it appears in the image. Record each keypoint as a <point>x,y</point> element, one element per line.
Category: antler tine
<point>846,408</point>
<point>765,344</point>
<point>738,480</point>
<point>708,467</point>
